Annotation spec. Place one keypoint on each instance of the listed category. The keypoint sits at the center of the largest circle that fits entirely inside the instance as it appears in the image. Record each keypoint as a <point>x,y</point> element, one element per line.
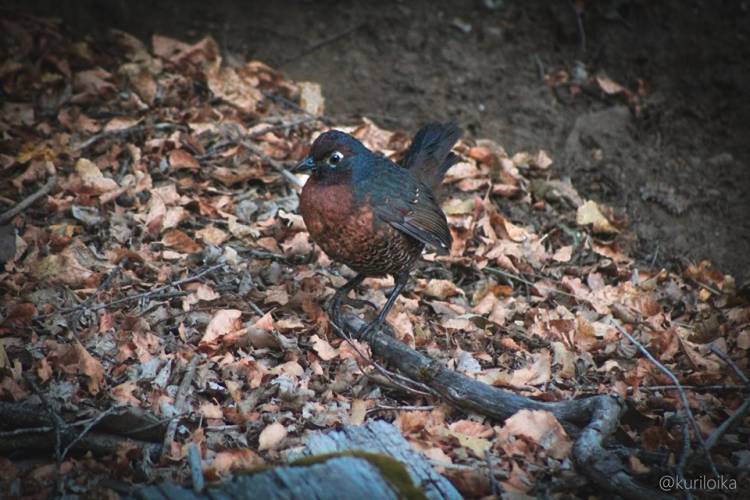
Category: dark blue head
<point>332,154</point>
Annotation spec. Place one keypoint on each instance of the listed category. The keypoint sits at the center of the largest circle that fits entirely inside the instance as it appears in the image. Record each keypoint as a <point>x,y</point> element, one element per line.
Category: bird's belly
<point>353,235</point>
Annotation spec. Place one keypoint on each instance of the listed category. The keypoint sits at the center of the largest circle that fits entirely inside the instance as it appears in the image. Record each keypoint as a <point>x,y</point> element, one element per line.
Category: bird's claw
<point>360,303</point>
<point>370,330</point>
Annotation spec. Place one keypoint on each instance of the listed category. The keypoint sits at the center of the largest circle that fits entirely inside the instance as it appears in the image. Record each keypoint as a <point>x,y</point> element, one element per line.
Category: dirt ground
<point>679,169</point>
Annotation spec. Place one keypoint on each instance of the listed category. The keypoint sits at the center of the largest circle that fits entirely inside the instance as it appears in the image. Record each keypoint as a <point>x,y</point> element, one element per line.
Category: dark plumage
<point>372,214</point>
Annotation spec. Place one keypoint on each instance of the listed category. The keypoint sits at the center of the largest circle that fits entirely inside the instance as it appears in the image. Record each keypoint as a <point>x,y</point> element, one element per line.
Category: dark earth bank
<point>677,165</point>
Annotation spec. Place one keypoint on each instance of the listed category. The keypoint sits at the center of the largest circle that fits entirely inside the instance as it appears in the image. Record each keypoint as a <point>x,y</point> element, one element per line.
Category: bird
<point>374,215</point>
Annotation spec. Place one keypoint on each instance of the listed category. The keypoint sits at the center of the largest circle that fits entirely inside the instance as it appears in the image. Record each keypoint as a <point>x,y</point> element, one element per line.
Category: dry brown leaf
<point>234,87</point>
<point>210,410</point>
<point>311,98</point>
<point>224,322</point>
<point>439,289</point>
<point>589,213</point>
<point>536,373</point>
<point>237,460</point>
<point>540,427</point>
<point>92,178</point>
<point>358,413</point>
<point>180,241</point>
<point>123,394</point>
<point>181,159</point>
<point>212,235</point>
<point>323,348</point>
<point>271,436</point>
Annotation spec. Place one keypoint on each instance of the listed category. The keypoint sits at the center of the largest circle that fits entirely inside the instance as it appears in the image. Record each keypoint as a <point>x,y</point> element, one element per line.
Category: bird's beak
<point>305,165</point>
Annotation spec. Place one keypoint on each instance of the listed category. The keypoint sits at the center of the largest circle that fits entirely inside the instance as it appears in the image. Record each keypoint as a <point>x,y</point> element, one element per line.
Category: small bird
<point>372,214</point>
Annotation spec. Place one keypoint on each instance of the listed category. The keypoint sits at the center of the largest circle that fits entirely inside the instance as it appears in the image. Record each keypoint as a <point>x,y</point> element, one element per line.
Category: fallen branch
<point>29,200</point>
<point>591,420</point>
<point>34,428</point>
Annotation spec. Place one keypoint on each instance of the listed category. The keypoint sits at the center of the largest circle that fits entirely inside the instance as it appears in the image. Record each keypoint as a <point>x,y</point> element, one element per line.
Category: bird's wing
<point>409,206</point>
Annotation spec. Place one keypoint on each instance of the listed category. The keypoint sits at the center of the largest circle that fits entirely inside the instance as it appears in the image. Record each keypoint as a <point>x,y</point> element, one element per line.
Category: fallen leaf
<point>540,427</point>
<point>589,213</point>
<point>271,436</point>
<point>223,323</point>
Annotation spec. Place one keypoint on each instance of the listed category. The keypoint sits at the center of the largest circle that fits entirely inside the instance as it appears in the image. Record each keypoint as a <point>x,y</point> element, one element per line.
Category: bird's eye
<point>335,158</point>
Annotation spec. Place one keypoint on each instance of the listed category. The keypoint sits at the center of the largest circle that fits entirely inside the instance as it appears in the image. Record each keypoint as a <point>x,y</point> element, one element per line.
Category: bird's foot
<point>370,330</point>
<point>359,303</point>
<point>334,310</point>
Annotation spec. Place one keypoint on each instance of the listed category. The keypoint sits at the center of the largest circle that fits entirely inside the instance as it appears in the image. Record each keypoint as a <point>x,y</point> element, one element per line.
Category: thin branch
<point>29,200</point>
<point>315,46</point>
<point>138,296</point>
<point>680,390</point>
<point>88,427</point>
<point>26,430</point>
<point>738,415</point>
<point>125,131</point>
<point>277,165</point>
<point>196,471</point>
<point>501,272</point>
<point>707,387</point>
<point>179,405</point>
<point>726,359</point>
<point>390,376</point>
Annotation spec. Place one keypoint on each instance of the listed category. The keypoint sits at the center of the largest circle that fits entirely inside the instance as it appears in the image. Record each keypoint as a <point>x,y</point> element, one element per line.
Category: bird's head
<point>332,154</point>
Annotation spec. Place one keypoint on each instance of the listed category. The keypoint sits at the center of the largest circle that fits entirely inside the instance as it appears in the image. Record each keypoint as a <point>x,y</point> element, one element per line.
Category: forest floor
<point>163,267</point>
<point>679,167</point>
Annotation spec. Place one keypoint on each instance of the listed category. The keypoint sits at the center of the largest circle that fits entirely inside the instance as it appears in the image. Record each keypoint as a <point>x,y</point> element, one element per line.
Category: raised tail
<point>429,155</point>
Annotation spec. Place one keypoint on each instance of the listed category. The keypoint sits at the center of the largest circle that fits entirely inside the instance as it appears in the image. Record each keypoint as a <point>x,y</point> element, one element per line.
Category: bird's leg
<point>368,331</point>
<point>340,297</point>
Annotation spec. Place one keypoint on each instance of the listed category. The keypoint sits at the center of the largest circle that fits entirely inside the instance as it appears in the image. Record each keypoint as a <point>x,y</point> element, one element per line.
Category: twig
<point>684,455</point>
<point>738,415</point>
<point>25,430</point>
<point>29,200</point>
<point>727,424</point>
<point>496,488</point>
<point>726,359</point>
<point>680,390</point>
<point>138,296</point>
<point>57,422</point>
<point>283,125</point>
<point>315,46</point>
<point>278,166</point>
<point>104,285</point>
<point>501,272</point>
<point>401,408</point>
<point>196,471</point>
<point>88,427</point>
<point>179,406</point>
<point>390,376</point>
<point>708,387</point>
<point>125,131</point>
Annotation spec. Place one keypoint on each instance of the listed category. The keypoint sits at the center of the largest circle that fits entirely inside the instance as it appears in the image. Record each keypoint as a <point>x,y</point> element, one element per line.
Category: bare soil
<point>679,168</point>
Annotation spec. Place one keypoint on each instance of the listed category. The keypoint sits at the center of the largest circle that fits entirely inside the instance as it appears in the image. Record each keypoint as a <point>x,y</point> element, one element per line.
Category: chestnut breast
<point>349,232</point>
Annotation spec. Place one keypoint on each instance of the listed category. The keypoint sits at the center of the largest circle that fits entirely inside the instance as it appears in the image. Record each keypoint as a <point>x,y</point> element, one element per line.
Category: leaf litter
<point>167,238</point>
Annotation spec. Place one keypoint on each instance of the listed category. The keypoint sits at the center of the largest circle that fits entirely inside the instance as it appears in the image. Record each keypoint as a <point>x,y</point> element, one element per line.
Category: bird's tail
<point>429,155</point>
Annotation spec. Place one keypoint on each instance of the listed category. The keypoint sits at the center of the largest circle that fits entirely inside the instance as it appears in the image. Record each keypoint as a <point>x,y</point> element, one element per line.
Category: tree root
<point>591,421</point>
